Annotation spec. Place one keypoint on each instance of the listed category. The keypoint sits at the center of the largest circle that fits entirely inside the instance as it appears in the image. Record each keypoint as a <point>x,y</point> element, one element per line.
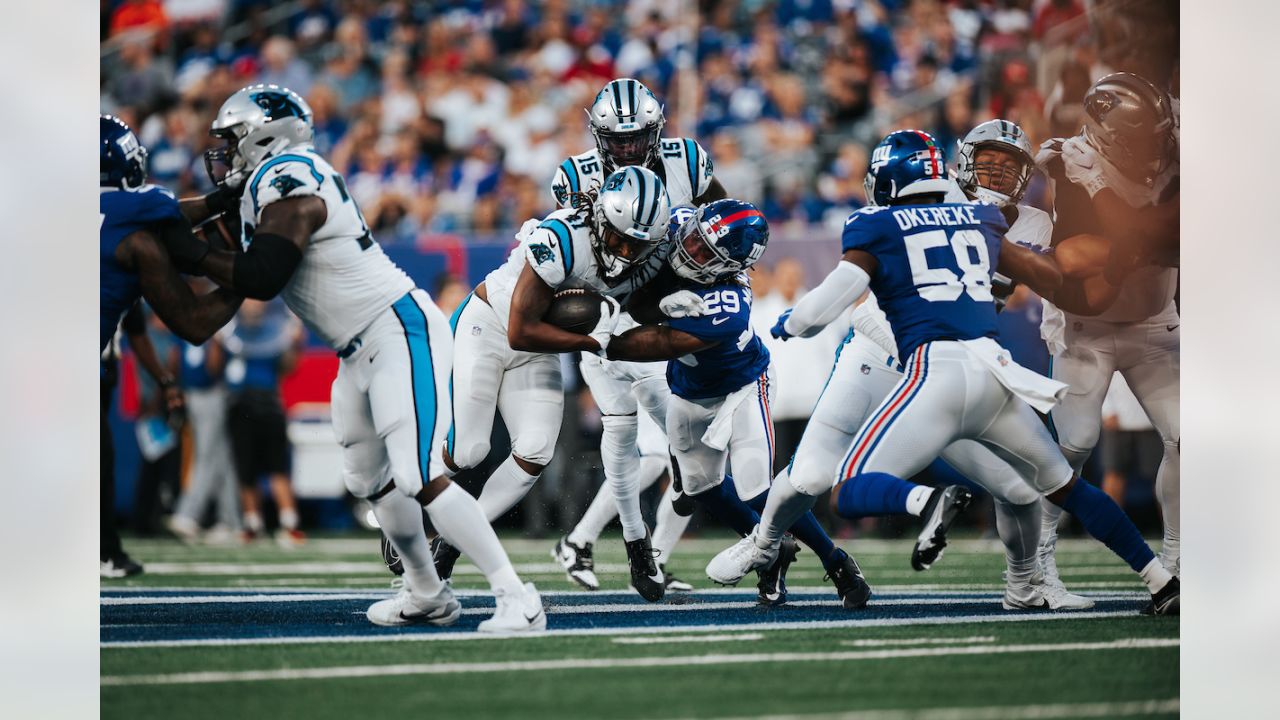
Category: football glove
<point>779,329</point>
<point>1083,166</point>
<point>610,313</point>
<point>682,304</point>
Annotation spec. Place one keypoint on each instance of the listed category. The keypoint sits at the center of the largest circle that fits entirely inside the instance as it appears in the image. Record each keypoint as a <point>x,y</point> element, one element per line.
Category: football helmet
<point>626,120</point>
<point>906,163</point>
<point>123,158</point>
<point>1130,122</point>
<point>256,122</point>
<point>629,220</point>
<point>721,239</point>
<point>999,135</point>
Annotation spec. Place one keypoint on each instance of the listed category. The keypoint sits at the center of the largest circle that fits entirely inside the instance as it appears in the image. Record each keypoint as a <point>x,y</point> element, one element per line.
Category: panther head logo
<point>541,253</point>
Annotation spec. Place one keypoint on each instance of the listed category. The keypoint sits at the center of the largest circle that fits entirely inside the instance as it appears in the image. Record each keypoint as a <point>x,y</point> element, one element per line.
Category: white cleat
<point>406,608</point>
<point>735,562</point>
<point>1025,596</point>
<point>516,613</point>
<point>1062,599</point>
<point>183,527</point>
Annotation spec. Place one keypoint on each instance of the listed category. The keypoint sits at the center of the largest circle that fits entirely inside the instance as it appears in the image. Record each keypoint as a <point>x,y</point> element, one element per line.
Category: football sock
<point>505,487</point>
<point>253,522</point>
<point>785,505</point>
<point>622,471</point>
<point>669,526</point>
<point>724,504</point>
<point>599,514</point>
<point>1050,517</point>
<point>873,494</point>
<point>1104,520</point>
<point>400,518</point>
<point>918,499</point>
<point>1019,529</point>
<point>289,519</point>
<point>806,529</point>
<point>460,521</point>
<point>1169,492</point>
<point>1155,576</point>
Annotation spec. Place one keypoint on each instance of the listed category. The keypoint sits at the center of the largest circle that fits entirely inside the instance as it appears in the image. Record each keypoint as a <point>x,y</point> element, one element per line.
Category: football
<point>576,310</point>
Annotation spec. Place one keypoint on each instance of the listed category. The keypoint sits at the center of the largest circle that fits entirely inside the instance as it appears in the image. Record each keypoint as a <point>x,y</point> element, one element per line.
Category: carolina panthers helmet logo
<point>1101,104</point>
<point>541,253</point>
<point>277,105</point>
<point>285,184</point>
<point>615,181</point>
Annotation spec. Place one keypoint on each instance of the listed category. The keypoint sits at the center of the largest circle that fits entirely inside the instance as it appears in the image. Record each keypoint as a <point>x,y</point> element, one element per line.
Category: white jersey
<point>344,280</point>
<point>686,172</point>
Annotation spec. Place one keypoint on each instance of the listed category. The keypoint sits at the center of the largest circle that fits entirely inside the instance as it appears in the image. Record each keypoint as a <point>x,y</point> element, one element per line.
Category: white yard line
<point>919,641</point>
<point>382,671</point>
<point>470,635</point>
<point>668,639</point>
<point>996,712</point>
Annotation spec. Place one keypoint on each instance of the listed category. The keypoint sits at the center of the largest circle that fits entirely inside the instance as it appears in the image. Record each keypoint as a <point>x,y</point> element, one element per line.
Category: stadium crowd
<point>450,117</point>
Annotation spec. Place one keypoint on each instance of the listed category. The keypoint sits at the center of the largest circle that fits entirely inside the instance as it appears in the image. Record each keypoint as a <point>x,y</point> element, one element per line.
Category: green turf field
<point>260,631</point>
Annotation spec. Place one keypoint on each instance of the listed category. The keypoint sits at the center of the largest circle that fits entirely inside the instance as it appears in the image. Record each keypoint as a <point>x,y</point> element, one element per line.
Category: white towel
<point>720,430</point>
<point>1035,389</point>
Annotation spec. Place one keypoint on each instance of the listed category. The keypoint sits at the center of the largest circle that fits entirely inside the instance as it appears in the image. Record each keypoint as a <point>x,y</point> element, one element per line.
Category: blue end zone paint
<point>344,618</point>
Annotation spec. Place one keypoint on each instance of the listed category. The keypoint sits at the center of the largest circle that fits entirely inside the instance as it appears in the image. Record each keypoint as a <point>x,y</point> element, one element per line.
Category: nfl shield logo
<point>866,369</point>
<point>475,329</point>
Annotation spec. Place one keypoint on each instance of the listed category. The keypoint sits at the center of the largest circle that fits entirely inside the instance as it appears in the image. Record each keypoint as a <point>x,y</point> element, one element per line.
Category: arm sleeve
<point>283,177</point>
<point>548,249</point>
<point>704,171</point>
<point>829,300</point>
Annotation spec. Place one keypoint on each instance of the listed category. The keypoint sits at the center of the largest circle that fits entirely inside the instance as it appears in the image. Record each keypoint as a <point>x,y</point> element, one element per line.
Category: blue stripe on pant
<point>422,370</point>
<point>453,332</point>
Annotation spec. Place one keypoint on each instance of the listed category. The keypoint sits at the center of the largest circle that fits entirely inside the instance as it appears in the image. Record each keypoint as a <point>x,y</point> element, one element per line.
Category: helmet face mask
<point>996,163</point>
<point>256,122</point>
<point>720,240</point>
<point>628,221</point>
<point>622,149</point>
<point>626,120</point>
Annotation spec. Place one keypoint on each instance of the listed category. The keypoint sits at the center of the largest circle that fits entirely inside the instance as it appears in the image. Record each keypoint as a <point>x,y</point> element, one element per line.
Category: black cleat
<point>1166,601</point>
<point>646,578</point>
<point>773,579</point>
<point>119,565</point>
<point>444,555</point>
<point>390,556</point>
<point>578,562</point>
<point>673,583</point>
<point>845,574</point>
<point>944,506</point>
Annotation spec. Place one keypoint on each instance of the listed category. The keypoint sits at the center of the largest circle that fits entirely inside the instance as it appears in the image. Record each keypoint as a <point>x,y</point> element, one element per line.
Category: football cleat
<point>516,613</point>
<point>646,578</point>
<point>1165,602</point>
<point>444,555</point>
<point>845,574</point>
<point>944,506</point>
<point>578,561</point>
<point>183,527</point>
<point>389,555</point>
<point>1062,599</point>
<point>119,565</point>
<point>772,586</point>
<point>407,608</point>
<point>674,584</point>
<point>733,563</point>
<point>1025,596</point>
<point>290,538</point>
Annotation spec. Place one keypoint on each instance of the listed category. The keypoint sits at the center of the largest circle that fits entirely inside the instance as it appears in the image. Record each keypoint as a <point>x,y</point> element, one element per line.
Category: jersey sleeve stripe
<point>253,186</point>
<point>691,158</point>
<point>571,172</point>
<point>561,230</point>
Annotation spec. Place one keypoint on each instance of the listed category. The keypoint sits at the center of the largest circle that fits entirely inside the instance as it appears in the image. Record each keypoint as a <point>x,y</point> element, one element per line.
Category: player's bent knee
<point>623,427</point>
<point>534,448</point>
<point>809,479</point>
<point>363,485</point>
<point>468,455</point>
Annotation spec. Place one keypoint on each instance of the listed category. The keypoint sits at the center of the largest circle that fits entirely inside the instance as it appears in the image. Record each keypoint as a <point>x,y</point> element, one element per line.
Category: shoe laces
<point>586,557</point>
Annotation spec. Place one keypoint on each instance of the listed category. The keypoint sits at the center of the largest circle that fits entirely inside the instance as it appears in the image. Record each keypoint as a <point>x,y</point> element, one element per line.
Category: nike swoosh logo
<point>371,357</point>
<point>717,322</point>
<point>535,616</point>
<point>279,170</point>
<point>1170,328</point>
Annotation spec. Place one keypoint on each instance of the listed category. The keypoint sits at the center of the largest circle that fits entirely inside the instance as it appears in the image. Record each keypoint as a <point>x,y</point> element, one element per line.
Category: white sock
<point>784,505</point>
<point>668,528</point>
<point>289,519</point>
<point>1169,493</point>
<point>918,498</point>
<point>1050,517</point>
<point>400,518</point>
<point>506,487</point>
<point>622,471</point>
<point>599,514</point>
<point>1155,576</point>
<point>1019,529</point>
<point>460,521</point>
<point>253,522</point>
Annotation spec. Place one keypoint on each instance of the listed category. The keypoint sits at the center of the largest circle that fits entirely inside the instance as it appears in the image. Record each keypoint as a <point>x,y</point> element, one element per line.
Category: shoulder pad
<point>288,175</point>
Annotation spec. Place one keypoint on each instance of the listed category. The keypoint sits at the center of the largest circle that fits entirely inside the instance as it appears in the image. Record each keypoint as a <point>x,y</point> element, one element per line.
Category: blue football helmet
<point>124,159</point>
<point>720,240</point>
<point>906,163</point>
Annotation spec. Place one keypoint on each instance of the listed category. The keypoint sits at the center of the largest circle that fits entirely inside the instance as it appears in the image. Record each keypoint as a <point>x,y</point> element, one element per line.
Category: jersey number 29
<point>942,284</point>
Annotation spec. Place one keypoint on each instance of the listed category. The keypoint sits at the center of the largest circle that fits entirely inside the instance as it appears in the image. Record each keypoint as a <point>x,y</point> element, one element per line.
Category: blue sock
<point>807,529</point>
<point>873,494</point>
<point>1104,520</point>
<point>724,505</point>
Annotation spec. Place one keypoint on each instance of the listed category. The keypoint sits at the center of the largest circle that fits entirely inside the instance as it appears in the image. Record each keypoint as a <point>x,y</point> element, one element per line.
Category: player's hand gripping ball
<point>576,310</point>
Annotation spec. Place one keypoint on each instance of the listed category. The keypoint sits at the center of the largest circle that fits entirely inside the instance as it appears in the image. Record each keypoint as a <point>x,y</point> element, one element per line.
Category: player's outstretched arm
<point>822,305</point>
<point>655,342</point>
<point>525,329</point>
<point>1040,272</point>
<point>202,207</point>
<point>193,318</point>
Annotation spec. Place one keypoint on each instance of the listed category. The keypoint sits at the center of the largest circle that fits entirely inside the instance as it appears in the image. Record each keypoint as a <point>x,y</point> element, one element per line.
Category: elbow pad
<point>264,269</point>
<point>826,302</point>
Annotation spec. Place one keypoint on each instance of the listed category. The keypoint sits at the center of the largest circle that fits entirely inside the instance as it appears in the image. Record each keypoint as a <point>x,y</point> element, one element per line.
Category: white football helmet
<point>626,120</point>
<point>257,122</point>
<point>1003,135</point>
<point>630,220</point>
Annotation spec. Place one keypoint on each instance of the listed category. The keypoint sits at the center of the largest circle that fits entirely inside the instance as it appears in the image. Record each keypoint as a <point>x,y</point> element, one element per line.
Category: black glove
<point>1001,288</point>
<point>185,249</point>
<point>222,200</point>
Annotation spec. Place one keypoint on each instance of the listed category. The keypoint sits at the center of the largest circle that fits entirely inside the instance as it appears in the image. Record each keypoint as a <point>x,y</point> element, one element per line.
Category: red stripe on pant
<point>878,422</point>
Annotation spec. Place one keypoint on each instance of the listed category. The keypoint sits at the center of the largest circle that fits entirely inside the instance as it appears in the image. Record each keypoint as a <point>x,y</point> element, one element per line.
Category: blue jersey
<point>934,265</point>
<point>122,213</point>
<point>738,358</point>
<point>193,372</point>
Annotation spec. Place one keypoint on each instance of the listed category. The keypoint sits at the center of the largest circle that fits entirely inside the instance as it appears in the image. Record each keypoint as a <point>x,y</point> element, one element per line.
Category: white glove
<point>682,304</point>
<point>610,313</point>
<point>1083,165</point>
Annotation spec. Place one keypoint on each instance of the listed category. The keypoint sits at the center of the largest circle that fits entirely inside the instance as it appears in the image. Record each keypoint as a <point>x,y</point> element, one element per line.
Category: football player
<point>135,218</point>
<point>626,121</point>
<point>721,381</point>
<point>930,265</point>
<point>995,166</point>
<point>1123,165</point>
<point>610,243</point>
<point>305,239</point>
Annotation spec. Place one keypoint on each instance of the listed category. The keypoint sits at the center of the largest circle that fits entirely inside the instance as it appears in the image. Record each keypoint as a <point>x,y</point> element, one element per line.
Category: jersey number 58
<point>942,284</point>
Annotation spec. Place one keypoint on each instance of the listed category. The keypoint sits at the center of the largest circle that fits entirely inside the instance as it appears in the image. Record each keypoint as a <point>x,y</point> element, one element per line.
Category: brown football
<point>576,310</point>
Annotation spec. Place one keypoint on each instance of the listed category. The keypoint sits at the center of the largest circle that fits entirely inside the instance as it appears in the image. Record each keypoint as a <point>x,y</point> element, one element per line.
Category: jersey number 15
<point>943,284</point>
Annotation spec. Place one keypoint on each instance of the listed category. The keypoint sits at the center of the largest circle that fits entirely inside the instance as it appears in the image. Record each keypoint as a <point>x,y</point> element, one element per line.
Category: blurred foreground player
<point>136,219</point>
<point>305,239</point>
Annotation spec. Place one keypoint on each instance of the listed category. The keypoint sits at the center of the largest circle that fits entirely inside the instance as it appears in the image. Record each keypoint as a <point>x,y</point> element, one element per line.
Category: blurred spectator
<point>138,15</point>
<point>157,432</point>
<point>281,66</point>
<point>142,81</point>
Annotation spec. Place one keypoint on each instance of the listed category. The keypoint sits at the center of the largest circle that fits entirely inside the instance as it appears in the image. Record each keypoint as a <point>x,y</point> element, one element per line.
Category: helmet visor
<point>630,148</point>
